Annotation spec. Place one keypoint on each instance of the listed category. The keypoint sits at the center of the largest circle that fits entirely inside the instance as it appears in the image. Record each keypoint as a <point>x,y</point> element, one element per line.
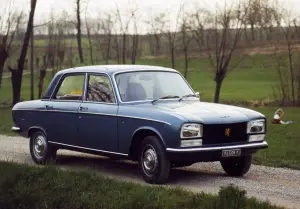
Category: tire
<point>41,152</point>
<point>153,161</point>
<point>238,166</point>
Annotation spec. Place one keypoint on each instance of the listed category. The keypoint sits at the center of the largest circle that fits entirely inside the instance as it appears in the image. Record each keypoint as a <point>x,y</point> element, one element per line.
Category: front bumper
<point>211,153</point>
<point>16,129</point>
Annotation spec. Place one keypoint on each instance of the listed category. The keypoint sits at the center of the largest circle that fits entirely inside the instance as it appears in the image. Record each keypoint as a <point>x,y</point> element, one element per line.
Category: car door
<point>98,115</point>
<point>62,109</point>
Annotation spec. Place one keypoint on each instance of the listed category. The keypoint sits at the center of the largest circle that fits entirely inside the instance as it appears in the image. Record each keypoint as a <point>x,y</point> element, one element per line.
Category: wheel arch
<point>33,129</point>
<point>139,135</point>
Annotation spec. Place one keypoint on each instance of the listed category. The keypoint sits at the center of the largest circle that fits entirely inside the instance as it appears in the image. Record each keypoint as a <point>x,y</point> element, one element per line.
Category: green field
<point>253,79</point>
<point>22,186</point>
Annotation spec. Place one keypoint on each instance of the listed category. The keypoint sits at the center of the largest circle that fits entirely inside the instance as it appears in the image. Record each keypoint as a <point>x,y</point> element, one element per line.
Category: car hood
<point>209,112</point>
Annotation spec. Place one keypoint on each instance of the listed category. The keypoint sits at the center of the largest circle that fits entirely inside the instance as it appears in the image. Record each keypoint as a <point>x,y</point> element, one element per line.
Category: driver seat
<point>135,92</point>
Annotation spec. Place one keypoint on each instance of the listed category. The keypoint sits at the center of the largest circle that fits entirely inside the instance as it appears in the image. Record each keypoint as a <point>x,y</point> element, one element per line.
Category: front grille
<point>216,133</point>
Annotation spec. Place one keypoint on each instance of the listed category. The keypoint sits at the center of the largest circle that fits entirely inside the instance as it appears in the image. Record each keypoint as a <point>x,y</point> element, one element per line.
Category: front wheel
<point>237,166</point>
<point>153,162</point>
<point>41,152</point>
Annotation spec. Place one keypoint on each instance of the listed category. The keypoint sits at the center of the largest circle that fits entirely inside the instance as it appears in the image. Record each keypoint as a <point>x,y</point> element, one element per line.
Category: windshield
<point>141,86</point>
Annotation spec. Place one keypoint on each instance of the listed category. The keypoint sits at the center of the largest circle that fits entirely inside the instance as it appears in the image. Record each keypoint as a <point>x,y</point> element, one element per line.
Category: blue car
<point>142,113</point>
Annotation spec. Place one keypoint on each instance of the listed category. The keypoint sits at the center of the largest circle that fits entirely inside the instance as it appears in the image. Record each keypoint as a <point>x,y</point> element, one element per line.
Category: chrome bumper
<point>15,129</point>
<point>257,145</point>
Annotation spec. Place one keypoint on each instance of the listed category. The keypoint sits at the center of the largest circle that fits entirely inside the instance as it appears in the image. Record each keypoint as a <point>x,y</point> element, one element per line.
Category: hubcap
<point>150,160</point>
<point>40,146</point>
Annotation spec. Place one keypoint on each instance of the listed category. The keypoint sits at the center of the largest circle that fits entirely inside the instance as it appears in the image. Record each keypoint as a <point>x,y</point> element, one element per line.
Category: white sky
<point>145,7</point>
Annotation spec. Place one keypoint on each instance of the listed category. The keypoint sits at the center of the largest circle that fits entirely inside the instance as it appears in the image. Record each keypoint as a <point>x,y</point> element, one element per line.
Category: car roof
<point>111,69</point>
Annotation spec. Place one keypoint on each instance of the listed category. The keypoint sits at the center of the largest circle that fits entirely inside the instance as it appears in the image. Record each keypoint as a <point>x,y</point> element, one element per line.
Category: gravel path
<point>279,186</point>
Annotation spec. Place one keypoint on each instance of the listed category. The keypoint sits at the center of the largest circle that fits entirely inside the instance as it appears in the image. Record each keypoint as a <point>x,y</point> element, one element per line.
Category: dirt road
<point>279,186</point>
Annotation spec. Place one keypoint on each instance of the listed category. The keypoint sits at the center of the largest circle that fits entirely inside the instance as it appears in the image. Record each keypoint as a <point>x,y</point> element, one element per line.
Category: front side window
<point>100,89</point>
<point>71,88</point>
<point>139,86</point>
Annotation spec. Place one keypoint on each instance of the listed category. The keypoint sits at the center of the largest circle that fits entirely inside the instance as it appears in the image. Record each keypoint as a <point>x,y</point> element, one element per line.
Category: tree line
<point>219,35</point>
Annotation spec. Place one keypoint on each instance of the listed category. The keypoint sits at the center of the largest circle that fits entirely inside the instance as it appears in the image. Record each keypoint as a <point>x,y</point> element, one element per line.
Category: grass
<point>252,80</point>
<point>22,186</point>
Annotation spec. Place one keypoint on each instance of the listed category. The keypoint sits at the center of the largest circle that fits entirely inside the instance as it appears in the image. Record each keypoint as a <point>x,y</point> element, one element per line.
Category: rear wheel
<point>237,166</point>
<point>41,152</point>
<point>153,162</point>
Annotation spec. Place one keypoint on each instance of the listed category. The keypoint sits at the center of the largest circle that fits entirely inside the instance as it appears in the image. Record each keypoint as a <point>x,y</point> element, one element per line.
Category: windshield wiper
<point>188,95</point>
<point>165,97</point>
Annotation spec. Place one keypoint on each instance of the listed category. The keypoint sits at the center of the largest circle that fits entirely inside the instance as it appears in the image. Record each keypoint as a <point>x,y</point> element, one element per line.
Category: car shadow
<point>129,170</point>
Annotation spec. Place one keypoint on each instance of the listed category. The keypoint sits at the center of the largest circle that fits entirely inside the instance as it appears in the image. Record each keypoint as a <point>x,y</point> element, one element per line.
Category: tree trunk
<point>124,48</point>
<point>173,57</point>
<point>3,57</point>
<point>157,41</point>
<point>252,32</point>
<point>90,44</point>
<point>291,73</point>
<point>108,49</point>
<point>32,65</point>
<point>79,33</point>
<point>117,48</point>
<point>41,82</point>
<point>16,75</point>
<point>134,49</point>
<point>186,62</point>
<point>1,73</point>
<point>218,90</point>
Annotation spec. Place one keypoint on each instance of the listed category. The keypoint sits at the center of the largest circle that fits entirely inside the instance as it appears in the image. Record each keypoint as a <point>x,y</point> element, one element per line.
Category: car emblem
<point>227,131</point>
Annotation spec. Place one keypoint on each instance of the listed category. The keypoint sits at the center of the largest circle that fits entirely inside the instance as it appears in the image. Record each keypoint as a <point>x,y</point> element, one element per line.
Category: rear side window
<point>71,88</point>
<point>100,89</point>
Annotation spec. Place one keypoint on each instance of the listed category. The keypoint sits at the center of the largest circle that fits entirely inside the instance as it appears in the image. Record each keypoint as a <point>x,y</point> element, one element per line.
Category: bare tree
<point>78,27</point>
<point>124,30</point>
<point>17,74</point>
<point>226,31</point>
<point>8,29</point>
<point>107,26</point>
<point>186,37</point>
<point>253,17</point>
<point>135,37</point>
<point>88,31</point>
<point>157,27</point>
<point>172,35</point>
<point>43,72</point>
<point>288,25</point>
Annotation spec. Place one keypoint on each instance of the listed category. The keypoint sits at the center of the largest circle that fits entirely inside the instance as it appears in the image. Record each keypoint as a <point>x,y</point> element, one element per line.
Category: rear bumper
<point>213,153</point>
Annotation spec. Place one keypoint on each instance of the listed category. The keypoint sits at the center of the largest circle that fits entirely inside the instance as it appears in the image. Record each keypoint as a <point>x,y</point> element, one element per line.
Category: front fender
<point>148,128</point>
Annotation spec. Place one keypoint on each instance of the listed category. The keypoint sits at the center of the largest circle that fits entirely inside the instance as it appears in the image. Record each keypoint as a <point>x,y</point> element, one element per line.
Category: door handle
<point>83,108</point>
<point>48,106</point>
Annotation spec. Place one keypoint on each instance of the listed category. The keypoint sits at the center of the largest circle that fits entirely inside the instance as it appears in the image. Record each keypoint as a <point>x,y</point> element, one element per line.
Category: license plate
<point>231,153</point>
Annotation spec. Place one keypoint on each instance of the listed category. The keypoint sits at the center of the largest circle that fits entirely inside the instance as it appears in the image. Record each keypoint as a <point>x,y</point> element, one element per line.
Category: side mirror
<point>198,94</point>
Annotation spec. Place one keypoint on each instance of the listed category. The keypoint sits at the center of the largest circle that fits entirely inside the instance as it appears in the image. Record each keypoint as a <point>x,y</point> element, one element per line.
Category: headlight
<point>191,130</point>
<point>256,126</point>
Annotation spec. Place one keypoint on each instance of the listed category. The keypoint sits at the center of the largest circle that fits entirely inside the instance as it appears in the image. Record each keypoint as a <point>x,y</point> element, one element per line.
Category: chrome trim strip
<point>15,128</point>
<point>103,103</point>
<point>47,110</point>
<point>88,148</point>
<point>203,149</point>
<point>124,116</point>
<point>85,86</point>
<point>92,113</point>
